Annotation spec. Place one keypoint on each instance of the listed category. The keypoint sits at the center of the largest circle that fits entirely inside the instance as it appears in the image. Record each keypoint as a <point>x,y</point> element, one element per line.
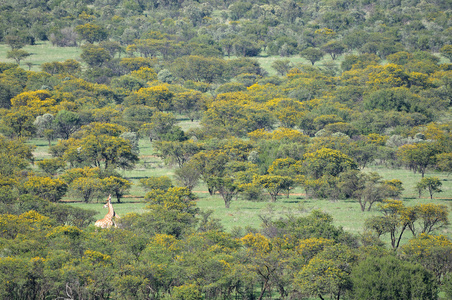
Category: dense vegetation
<point>281,96</point>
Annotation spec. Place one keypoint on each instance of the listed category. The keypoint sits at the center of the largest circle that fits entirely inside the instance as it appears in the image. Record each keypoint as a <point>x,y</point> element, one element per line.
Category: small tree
<point>282,66</point>
<point>51,166</point>
<point>446,51</point>
<point>226,187</point>
<point>116,185</point>
<point>432,184</point>
<point>86,187</point>
<point>156,183</point>
<point>274,184</point>
<point>17,55</point>
<point>312,54</point>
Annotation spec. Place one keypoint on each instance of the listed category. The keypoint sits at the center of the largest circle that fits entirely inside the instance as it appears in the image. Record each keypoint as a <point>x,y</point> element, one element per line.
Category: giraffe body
<point>108,220</point>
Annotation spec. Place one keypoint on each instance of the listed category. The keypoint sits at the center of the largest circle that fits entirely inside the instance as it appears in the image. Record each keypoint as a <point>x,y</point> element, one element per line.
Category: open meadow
<point>346,213</point>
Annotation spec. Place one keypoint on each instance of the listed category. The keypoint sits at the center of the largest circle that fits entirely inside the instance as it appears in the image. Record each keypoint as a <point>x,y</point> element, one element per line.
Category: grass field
<point>44,52</point>
<point>40,53</point>
<point>346,213</point>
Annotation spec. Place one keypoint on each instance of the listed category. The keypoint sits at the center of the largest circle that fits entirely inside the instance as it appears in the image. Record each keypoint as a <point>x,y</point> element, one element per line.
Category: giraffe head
<point>108,201</point>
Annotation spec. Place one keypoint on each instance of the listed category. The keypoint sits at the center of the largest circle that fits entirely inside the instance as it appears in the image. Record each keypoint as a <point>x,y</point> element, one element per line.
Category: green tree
<point>109,151</point>
<point>161,127</point>
<point>54,67</point>
<point>197,68</point>
<point>418,157</point>
<point>395,220</point>
<point>366,188</point>
<point>94,55</point>
<point>226,186</point>
<point>328,273</point>
<point>334,48</point>
<point>446,51</point>
<point>189,103</point>
<point>444,162</point>
<point>210,163</point>
<point>17,55</point>
<point>433,252</point>
<point>66,123</point>
<point>51,166</point>
<point>86,188</point>
<point>388,277</point>
<point>432,184</point>
<point>19,123</point>
<point>176,152</point>
<point>187,175</point>
<point>281,66</point>
<point>45,188</point>
<point>312,54</point>
<point>115,185</point>
<point>91,32</point>
<point>172,213</point>
<point>274,184</point>
<point>326,161</point>
<point>156,183</point>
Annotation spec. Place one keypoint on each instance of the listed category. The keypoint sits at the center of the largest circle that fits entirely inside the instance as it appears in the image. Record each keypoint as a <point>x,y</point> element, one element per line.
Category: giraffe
<point>108,220</point>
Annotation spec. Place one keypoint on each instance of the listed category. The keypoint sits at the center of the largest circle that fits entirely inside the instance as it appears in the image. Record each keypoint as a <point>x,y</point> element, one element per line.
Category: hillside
<point>252,150</point>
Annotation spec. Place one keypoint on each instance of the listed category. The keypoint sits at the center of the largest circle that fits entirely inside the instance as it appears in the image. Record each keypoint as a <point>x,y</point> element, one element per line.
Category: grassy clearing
<point>42,52</point>
<point>346,213</point>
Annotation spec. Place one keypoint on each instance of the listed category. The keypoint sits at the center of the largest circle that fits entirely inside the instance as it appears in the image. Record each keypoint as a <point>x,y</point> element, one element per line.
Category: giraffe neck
<point>111,212</point>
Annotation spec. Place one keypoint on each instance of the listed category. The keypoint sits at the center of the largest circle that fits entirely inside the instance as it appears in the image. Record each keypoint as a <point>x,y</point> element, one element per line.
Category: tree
<point>444,162</point>
<point>210,163</point>
<point>86,187</point>
<point>328,273</point>
<point>266,260</point>
<point>368,188</point>
<point>161,127</point>
<point>281,66</point>
<point>14,41</point>
<point>94,55</point>
<point>66,123</point>
<point>197,68</point>
<point>91,32</point>
<point>17,55</point>
<point>418,157</point>
<point>19,122</point>
<point>312,54</point>
<point>189,103</point>
<point>446,51</point>
<point>432,184</point>
<point>156,183</point>
<point>274,184</point>
<point>388,277</point>
<point>44,126</point>
<point>53,68</point>
<point>225,186</point>
<point>433,252</point>
<point>51,166</point>
<point>176,152</point>
<point>46,188</point>
<point>395,220</point>
<point>116,185</point>
<point>187,175</point>
<point>334,48</point>
<point>326,161</point>
<point>110,151</point>
<point>427,218</point>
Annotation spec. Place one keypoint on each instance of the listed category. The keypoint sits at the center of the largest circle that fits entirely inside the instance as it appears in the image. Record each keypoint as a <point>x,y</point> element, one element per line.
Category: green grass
<point>346,213</point>
<point>40,53</point>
